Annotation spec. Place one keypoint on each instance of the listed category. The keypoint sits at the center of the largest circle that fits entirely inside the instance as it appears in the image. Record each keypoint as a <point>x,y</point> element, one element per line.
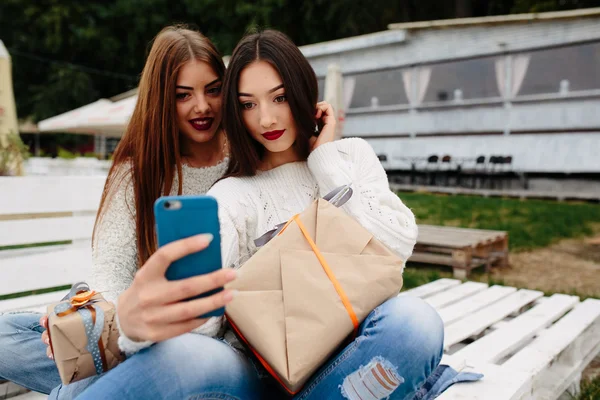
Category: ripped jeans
<point>399,345</point>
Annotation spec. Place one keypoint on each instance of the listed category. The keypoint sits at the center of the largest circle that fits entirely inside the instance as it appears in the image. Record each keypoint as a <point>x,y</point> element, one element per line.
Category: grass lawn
<point>531,224</point>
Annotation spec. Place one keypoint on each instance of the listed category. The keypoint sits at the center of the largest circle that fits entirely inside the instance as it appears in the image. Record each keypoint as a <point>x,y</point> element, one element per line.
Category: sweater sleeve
<point>373,204</point>
<point>114,252</point>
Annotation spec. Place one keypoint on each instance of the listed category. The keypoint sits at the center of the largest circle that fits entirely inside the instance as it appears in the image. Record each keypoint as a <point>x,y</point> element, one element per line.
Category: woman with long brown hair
<point>174,144</point>
<point>280,163</point>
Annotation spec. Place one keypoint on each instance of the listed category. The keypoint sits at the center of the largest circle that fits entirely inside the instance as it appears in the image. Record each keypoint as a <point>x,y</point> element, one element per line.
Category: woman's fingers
<point>46,338</point>
<point>166,332</point>
<point>187,310</point>
<point>157,264</point>
<point>175,291</point>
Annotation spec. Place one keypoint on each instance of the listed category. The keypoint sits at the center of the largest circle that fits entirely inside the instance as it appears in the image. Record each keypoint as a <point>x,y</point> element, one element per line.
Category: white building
<point>526,86</point>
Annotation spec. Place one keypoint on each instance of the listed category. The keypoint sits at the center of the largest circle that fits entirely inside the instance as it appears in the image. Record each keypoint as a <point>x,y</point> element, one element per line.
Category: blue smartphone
<point>180,217</point>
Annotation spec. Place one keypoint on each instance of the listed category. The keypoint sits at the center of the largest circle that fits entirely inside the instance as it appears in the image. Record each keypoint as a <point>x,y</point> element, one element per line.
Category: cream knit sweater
<point>250,206</point>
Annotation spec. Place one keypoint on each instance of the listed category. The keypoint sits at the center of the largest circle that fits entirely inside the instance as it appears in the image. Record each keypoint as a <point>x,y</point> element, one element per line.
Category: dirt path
<point>570,266</point>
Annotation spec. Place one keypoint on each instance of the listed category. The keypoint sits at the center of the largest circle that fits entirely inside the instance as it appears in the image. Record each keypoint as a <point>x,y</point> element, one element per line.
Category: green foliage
<point>12,152</point>
<point>66,154</point>
<point>590,389</point>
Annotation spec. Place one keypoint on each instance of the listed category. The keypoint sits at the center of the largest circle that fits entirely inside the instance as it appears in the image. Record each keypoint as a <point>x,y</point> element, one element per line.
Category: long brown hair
<point>150,147</point>
<point>301,89</point>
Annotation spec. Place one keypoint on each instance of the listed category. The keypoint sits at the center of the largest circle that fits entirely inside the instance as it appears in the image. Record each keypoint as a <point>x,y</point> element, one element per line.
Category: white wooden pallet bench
<point>528,346</point>
<point>36,210</point>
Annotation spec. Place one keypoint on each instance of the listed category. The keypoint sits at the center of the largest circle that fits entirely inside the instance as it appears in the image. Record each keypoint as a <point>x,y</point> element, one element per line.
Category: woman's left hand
<point>327,115</point>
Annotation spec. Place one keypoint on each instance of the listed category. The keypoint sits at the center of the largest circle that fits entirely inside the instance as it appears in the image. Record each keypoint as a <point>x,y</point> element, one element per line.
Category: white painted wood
<point>43,230</point>
<point>552,361</point>
<point>431,288</point>
<point>474,303</point>
<point>476,323</point>
<point>30,396</point>
<point>50,194</point>
<point>455,294</point>
<point>497,384</point>
<point>15,253</point>
<point>512,335</point>
<point>49,269</point>
<point>9,389</point>
<point>31,303</point>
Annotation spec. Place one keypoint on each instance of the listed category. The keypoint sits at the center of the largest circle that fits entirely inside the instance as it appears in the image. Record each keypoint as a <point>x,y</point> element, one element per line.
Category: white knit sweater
<point>250,206</point>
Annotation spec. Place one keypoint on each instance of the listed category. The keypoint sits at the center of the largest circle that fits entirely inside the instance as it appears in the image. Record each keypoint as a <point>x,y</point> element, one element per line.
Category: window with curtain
<point>386,86</point>
<point>475,78</point>
<point>579,64</point>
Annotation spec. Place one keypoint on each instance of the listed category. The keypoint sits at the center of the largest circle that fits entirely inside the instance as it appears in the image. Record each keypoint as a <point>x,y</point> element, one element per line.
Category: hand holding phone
<point>155,308</point>
<point>180,217</point>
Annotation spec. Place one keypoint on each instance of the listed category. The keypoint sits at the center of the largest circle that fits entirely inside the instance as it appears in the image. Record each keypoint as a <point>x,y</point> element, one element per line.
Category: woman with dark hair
<point>283,157</point>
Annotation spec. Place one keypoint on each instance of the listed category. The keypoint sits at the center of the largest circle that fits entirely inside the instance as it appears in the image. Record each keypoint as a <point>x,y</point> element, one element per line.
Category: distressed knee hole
<point>377,380</point>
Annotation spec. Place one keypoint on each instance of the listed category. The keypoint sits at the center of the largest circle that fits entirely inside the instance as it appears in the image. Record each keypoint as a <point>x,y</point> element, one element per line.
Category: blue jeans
<point>23,357</point>
<point>399,345</point>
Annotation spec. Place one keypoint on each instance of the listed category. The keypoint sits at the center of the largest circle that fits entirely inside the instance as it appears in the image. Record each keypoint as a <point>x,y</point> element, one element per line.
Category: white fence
<point>40,166</point>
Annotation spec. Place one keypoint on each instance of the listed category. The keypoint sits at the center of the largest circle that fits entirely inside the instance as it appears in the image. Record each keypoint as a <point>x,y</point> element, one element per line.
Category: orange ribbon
<point>328,271</point>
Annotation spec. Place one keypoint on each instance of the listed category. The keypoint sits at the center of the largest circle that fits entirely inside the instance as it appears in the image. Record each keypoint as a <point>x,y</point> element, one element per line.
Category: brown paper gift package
<point>68,342</point>
<point>290,311</point>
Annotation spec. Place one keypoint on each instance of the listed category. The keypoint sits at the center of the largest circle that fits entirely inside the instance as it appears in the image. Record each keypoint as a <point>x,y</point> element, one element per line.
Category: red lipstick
<point>273,135</point>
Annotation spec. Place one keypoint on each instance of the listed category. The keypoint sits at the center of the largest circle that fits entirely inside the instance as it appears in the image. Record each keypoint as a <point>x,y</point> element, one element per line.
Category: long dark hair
<point>150,144</point>
<point>299,81</point>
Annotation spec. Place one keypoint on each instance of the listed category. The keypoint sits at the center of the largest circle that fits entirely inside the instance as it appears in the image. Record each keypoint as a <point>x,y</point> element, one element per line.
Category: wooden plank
<point>460,229</point>
<point>431,258</point>
<point>474,303</point>
<point>512,335</point>
<point>481,237</point>
<point>10,389</point>
<point>551,362</point>
<point>476,323</point>
<point>45,230</point>
<point>30,396</point>
<point>431,288</point>
<point>46,194</point>
<point>44,270</point>
<point>445,241</point>
<point>458,237</point>
<point>455,294</point>
<point>31,303</point>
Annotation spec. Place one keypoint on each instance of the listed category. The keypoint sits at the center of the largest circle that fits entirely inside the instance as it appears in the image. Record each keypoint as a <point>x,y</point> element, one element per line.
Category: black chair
<point>446,168</point>
<point>507,169</point>
<point>431,169</point>
<point>495,171</point>
<point>478,173</point>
